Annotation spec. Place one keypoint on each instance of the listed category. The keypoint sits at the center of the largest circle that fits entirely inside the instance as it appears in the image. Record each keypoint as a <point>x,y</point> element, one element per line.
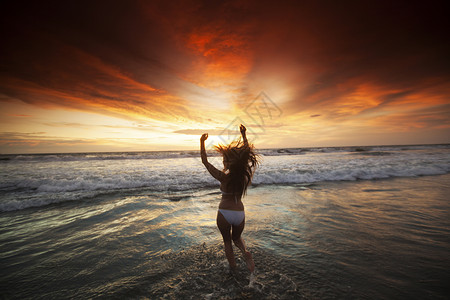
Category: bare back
<point>229,200</point>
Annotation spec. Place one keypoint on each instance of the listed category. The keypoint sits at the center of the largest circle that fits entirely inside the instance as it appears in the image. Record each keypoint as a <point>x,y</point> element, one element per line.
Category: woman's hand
<point>244,137</point>
<point>202,148</point>
<point>242,128</point>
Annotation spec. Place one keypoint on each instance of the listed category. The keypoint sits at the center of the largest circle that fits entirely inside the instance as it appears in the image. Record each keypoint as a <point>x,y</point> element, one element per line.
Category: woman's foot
<point>249,260</point>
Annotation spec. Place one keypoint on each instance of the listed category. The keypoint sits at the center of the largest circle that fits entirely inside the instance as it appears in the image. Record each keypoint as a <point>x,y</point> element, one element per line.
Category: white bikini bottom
<point>234,217</point>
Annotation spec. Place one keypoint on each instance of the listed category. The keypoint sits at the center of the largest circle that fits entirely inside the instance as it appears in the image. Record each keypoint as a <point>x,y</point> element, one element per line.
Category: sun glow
<point>160,75</point>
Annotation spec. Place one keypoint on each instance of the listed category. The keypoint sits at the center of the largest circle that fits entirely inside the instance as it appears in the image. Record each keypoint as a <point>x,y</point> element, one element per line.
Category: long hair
<point>242,162</point>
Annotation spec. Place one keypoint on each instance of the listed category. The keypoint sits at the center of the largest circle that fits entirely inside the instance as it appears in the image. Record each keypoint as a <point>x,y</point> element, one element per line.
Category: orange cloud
<point>221,59</point>
<point>79,80</point>
<point>197,64</point>
<point>19,115</point>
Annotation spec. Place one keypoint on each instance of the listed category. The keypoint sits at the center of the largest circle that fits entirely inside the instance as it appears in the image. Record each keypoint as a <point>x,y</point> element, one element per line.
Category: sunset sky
<point>80,76</point>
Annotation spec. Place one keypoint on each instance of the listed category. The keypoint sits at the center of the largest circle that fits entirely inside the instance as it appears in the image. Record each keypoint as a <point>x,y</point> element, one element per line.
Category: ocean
<point>322,223</point>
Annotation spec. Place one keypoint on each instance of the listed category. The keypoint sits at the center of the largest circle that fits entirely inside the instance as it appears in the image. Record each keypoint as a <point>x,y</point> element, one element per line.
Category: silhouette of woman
<point>239,161</point>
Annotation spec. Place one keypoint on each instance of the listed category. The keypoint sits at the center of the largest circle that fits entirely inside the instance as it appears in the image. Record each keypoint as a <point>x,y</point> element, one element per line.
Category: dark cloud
<point>157,58</point>
<point>98,55</point>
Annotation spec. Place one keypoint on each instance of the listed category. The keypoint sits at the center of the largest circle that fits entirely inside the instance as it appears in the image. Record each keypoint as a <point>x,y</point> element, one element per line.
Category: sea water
<point>349,222</point>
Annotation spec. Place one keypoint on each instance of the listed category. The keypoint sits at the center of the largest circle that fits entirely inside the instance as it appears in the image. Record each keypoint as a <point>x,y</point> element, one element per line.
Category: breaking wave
<point>37,180</point>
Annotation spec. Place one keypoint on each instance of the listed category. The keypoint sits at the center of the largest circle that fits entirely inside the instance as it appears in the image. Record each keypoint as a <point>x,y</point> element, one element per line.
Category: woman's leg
<point>239,242</point>
<point>225,230</point>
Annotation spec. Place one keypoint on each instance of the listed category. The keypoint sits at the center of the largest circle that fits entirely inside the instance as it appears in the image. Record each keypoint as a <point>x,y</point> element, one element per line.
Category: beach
<point>322,223</point>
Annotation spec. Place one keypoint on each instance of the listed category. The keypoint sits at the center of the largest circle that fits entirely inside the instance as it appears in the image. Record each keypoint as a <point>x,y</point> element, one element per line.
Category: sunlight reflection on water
<point>366,239</point>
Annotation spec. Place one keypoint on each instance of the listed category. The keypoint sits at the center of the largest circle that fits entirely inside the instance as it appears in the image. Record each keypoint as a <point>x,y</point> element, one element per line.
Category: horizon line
<point>268,148</point>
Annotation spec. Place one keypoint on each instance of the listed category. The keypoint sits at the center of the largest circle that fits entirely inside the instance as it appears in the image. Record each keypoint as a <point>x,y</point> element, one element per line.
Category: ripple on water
<point>202,272</point>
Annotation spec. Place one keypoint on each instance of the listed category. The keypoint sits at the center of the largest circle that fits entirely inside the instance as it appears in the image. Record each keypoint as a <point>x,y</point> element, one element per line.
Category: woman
<point>239,161</point>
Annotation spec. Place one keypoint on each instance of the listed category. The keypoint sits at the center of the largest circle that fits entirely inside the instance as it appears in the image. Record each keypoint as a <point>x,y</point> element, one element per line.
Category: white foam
<point>27,183</point>
<point>252,280</point>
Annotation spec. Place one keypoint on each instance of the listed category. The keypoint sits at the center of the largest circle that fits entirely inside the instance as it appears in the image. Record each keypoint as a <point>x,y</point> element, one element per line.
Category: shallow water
<point>365,239</point>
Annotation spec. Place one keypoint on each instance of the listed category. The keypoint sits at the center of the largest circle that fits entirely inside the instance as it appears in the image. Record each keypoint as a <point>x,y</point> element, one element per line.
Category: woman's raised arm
<point>244,135</point>
<point>202,148</point>
<point>211,169</point>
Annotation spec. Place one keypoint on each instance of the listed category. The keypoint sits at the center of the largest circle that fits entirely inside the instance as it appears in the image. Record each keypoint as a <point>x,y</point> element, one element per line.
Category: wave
<point>345,174</point>
<point>91,156</point>
<point>49,182</point>
<point>99,156</point>
<point>374,153</point>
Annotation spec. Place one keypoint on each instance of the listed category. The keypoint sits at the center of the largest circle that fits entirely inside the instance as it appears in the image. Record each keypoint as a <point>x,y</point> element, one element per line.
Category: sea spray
<point>201,272</point>
<point>39,180</point>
